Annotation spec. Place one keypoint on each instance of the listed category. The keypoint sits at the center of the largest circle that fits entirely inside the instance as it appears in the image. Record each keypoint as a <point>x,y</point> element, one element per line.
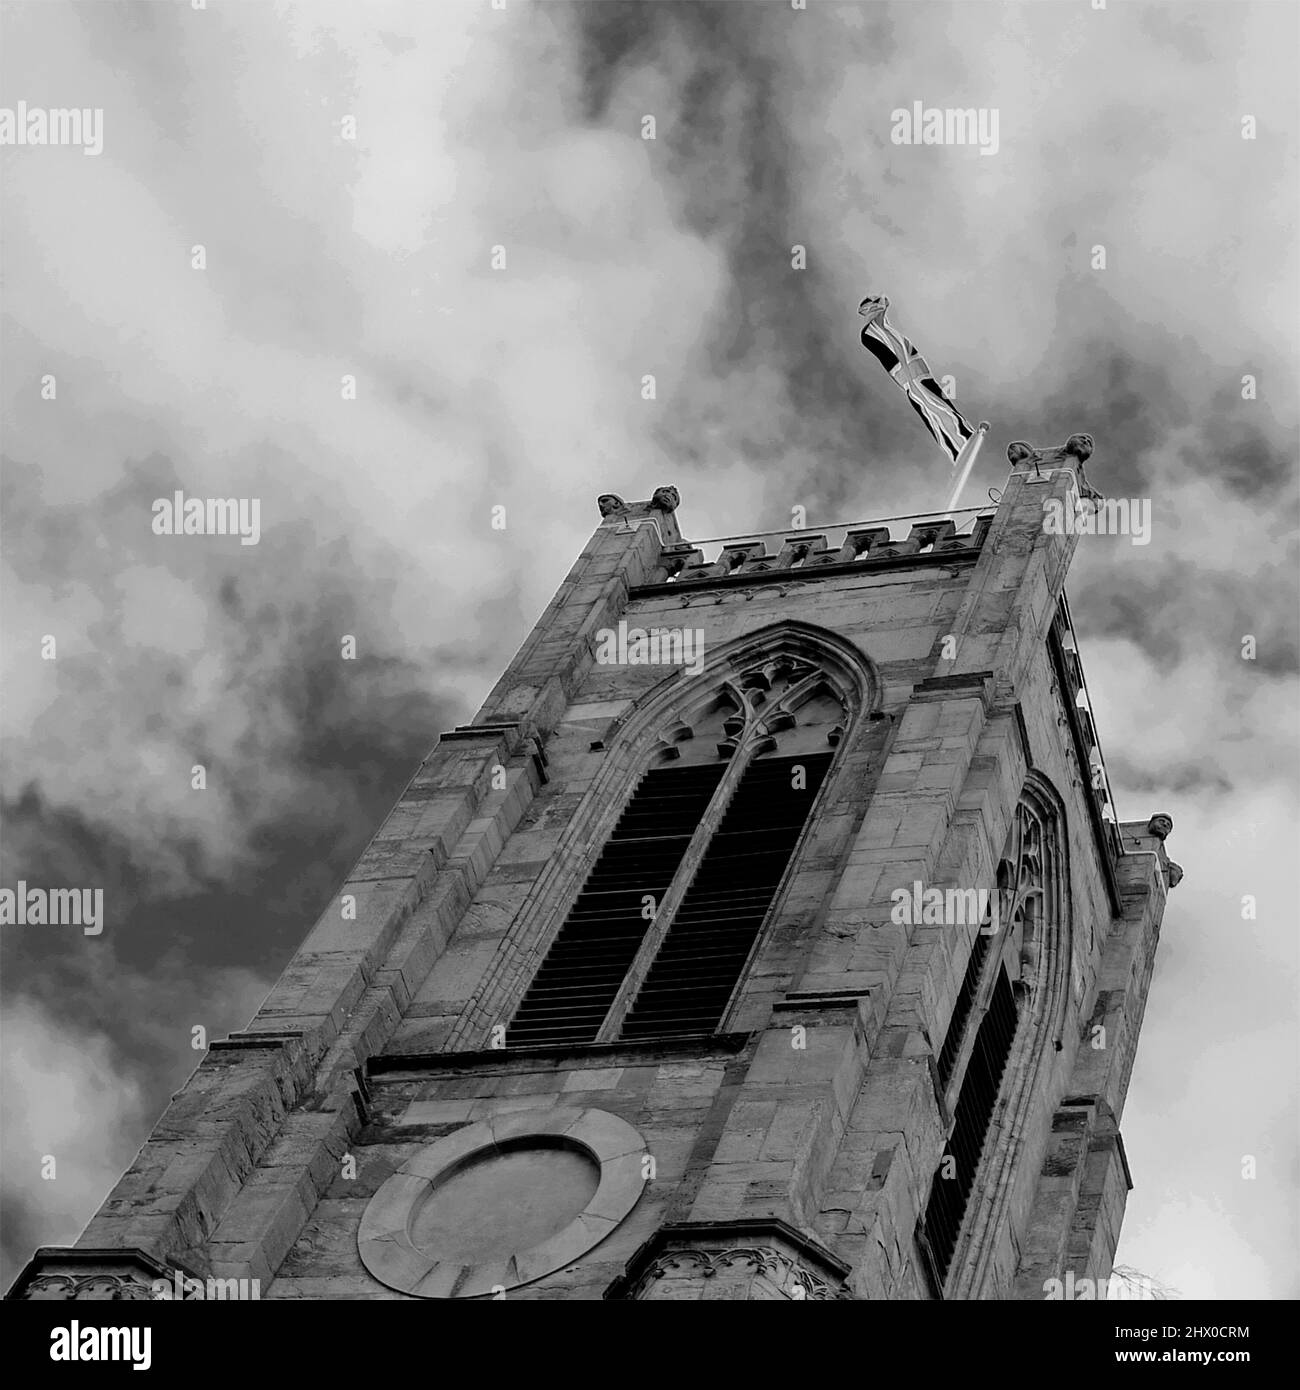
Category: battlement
<point>1065,651</point>
<point>788,554</point>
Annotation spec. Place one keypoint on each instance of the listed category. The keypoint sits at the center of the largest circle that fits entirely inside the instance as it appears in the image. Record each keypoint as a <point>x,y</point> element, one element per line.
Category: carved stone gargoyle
<point>665,499</point>
<point>1072,454</point>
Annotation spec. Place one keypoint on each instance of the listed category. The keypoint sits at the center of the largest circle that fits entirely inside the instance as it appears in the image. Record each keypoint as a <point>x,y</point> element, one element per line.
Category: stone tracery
<point>1037,944</point>
<point>751,708</point>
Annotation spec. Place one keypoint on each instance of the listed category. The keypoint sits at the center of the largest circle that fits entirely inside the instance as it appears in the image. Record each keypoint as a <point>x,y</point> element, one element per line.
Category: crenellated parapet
<point>778,555</point>
<point>1078,708</point>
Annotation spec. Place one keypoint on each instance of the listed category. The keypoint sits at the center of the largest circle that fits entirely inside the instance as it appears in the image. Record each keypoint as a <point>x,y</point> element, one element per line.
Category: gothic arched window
<point>997,1028</point>
<point>658,937</point>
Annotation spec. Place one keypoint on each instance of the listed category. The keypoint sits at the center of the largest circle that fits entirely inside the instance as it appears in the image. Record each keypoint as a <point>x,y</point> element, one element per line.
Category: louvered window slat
<point>975,1103</point>
<point>589,959</point>
<point>961,1009</point>
<point>695,972</point>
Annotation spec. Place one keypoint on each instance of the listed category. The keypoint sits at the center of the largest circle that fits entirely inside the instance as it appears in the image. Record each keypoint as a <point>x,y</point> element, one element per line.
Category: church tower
<point>768,934</point>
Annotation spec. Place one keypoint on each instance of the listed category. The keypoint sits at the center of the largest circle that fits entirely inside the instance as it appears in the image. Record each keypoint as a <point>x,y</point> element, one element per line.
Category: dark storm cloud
<point>730,159</point>
<point>521,389</point>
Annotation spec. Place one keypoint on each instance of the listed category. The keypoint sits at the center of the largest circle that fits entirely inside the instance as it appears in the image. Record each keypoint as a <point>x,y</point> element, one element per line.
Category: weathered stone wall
<point>781,1170</point>
<point>669,1099</point>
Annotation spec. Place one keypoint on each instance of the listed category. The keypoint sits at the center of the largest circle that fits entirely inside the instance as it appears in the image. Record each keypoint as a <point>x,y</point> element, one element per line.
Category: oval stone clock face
<point>502,1202</point>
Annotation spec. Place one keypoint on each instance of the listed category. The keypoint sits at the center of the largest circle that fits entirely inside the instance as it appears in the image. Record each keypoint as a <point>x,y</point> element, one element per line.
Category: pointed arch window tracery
<point>656,942</point>
<point>1010,996</point>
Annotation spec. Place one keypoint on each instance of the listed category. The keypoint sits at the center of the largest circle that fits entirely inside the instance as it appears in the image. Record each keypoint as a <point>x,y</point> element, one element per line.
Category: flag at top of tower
<point>912,372</point>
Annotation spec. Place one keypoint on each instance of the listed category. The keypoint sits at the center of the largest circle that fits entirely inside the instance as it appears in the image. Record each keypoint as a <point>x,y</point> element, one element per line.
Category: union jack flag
<point>911,371</point>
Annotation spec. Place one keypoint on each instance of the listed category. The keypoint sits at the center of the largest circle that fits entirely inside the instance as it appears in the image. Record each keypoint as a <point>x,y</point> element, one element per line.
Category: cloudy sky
<point>472,128</point>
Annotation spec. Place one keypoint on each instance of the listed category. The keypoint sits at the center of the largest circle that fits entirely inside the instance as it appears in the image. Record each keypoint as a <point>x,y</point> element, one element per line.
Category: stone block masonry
<point>794,1150</point>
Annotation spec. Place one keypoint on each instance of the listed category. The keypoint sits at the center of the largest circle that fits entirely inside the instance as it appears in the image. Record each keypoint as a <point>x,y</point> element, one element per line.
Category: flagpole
<point>969,452</point>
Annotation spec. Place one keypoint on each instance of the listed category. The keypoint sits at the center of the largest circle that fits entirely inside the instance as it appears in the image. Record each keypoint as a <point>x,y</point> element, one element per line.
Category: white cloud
<point>65,1098</point>
<point>629,257</point>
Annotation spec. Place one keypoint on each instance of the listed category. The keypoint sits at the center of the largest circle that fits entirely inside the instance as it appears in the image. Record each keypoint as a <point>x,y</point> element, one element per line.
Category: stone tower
<point>768,934</point>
